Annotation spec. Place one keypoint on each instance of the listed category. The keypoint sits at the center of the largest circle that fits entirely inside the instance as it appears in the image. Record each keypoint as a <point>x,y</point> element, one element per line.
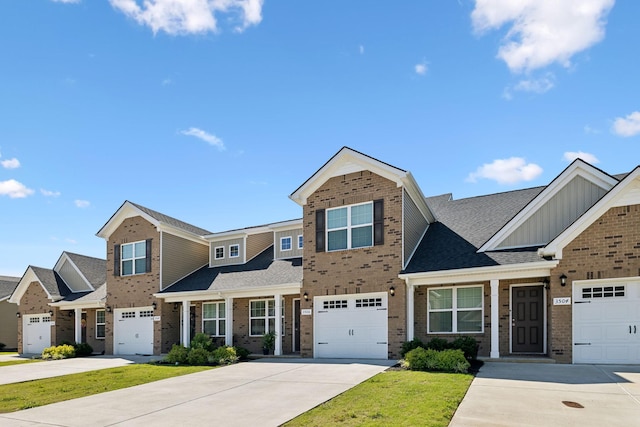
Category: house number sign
<point>562,301</point>
<point>305,312</point>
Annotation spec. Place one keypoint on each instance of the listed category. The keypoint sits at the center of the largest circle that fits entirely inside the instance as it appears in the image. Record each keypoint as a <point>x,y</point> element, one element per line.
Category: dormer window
<point>350,227</point>
<point>234,251</point>
<point>285,243</point>
<point>219,252</point>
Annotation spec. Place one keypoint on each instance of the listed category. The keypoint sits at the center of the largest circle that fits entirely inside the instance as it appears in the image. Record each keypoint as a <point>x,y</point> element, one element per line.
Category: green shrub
<point>202,341</point>
<point>177,355</point>
<point>438,344</point>
<point>242,353</point>
<point>468,345</point>
<point>63,351</point>
<point>420,359</point>
<point>407,346</point>
<point>451,361</point>
<point>2,346</point>
<point>224,355</point>
<point>83,349</point>
<point>198,357</point>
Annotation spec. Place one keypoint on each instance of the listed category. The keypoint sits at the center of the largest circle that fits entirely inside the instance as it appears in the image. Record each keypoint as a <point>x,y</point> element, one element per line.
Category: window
<point>133,258</point>
<point>603,292</point>
<point>128,314</point>
<point>146,313</point>
<point>234,251</point>
<point>350,227</point>
<point>455,309</point>
<point>213,318</point>
<point>300,242</point>
<point>100,324</point>
<point>262,317</point>
<point>368,302</point>
<point>333,304</point>
<point>219,252</point>
<point>285,243</point>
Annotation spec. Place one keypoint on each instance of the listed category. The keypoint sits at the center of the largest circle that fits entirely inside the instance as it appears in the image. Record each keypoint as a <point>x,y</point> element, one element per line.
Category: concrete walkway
<point>55,368</point>
<point>267,392</point>
<point>532,394</point>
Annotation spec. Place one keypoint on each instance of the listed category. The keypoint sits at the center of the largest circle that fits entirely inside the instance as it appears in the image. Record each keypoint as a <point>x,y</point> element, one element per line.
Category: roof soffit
<point>127,210</point>
<point>29,277</point>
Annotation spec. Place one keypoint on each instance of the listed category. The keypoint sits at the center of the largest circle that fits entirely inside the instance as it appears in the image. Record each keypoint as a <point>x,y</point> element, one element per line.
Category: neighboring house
<point>63,304</point>
<point>8,310</point>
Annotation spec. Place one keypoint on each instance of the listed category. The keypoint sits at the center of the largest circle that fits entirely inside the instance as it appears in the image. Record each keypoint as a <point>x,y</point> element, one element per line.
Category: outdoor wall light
<point>108,309</point>
<point>305,296</point>
<point>392,291</point>
<point>18,315</point>
<point>176,305</point>
<point>70,313</point>
<point>154,305</point>
<point>51,313</point>
<point>546,282</point>
<point>563,280</point>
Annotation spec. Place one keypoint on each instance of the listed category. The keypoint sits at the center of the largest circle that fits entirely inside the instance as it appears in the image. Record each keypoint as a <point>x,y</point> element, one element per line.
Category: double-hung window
<point>100,324</point>
<point>214,318</point>
<point>234,251</point>
<point>133,258</point>
<point>455,310</point>
<point>219,252</point>
<point>262,316</point>
<point>300,241</point>
<point>350,227</point>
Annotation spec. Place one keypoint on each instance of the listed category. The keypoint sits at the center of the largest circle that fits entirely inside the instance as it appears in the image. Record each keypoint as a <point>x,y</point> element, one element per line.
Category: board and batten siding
<point>256,243</point>
<point>71,277</point>
<point>213,262</point>
<point>294,252</point>
<point>181,257</point>
<point>556,214</point>
<point>415,225</point>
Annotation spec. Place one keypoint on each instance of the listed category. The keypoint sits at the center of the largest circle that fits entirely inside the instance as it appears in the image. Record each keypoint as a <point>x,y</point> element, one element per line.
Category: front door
<point>296,325</point>
<point>527,319</point>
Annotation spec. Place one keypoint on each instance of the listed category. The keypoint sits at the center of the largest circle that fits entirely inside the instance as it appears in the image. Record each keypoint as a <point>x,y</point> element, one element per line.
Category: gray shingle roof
<point>7,285</point>
<point>466,224</point>
<point>260,272</point>
<point>166,219</point>
<point>93,269</point>
<point>52,282</point>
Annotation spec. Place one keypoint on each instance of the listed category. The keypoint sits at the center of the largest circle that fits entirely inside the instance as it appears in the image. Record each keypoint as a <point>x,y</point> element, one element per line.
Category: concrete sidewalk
<point>532,394</point>
<point>267,392</point>
<point>55,368</point>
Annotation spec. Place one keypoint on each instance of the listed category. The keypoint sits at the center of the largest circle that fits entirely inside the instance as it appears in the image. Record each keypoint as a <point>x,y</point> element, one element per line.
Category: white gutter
<point>288,288</point>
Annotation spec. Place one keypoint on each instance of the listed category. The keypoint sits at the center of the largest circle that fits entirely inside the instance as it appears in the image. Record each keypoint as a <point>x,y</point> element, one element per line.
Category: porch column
<point>411,289</point>
<point>78,325</point>
<point>228,324</point>
<point>278,350</point>
<point>186,323</point>
<point>494,351</point>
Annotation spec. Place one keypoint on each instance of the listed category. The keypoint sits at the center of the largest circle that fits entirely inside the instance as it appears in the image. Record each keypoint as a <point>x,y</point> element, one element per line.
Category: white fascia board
<point>237,234</point>
<point>464,275</point>
<point>608,201</point>
<point>284,289</point>
<point>286,225</point>
<point>5,298</point>
<point>166,228</point>
<point>127,210</point>
<point>60,263</point>
<point>412,187</point>
<point>28,277</point>
<point>62,305</point>
<point>577,168</point>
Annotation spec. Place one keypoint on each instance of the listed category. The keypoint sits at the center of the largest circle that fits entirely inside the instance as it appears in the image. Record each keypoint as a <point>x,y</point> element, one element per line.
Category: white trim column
<point>494,351</point>
<point>278,300</point>
<point>78,325</point>
<point>411,289</point>
<point>228,322</point>
<point>186,323</point>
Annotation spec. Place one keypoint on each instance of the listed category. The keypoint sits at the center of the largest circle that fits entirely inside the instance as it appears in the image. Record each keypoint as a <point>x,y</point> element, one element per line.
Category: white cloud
<point>190,16</point>
<point>570,156</point>
<point>421,68</point>
<point>10,163</point>
<point>542,32</point>
<point>14,189</point>
<point>66,1</point>
<point>48,193</point>
<point>589,130</point>
<point>70,240</point>
<point>627,126</point>
<point>540,85</point>
<point>166,82</point>
<point>82,203</point>
<point>207,137</point>
<point>507,171</point>
<point>361,49</point>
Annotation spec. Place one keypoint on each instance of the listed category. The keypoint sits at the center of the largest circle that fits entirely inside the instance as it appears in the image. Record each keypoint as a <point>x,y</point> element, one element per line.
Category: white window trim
<point>215,252</point>
<point>215,319</point>
<point>101,324</point>
<point>133,259</point>
<point>237,246</point>
<point>282,239</point>
<point>300,240</point>
<point>454,310</point>
<point>348,227</point>
<point>266,317</point>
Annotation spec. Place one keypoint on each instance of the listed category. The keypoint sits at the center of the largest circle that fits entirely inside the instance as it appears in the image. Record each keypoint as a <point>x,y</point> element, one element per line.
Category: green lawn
<point>398,398</point>
<point>14,397</point>
<point>8,353</point>
<point>19,362</point>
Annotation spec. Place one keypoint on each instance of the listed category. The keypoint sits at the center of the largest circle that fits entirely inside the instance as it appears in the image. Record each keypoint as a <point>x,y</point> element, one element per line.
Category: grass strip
<point>18,362</point>
<point>30,394</point>
<point>397,398</point>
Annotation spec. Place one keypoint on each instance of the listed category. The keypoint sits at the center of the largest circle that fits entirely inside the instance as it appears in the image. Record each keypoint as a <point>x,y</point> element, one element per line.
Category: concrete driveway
<point>531,394</point>
<point>267,392</point>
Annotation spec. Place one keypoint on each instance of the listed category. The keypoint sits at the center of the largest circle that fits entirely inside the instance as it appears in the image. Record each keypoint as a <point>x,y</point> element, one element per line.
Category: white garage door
<point>606,322</point>
<point>133,331</point>
<point>351,326</point>
<point>37,332</point>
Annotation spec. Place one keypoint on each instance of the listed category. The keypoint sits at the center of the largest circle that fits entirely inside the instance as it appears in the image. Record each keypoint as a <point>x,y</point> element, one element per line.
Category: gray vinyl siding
<point>72,278</point>
<point>256,243</point>
<point>180,257</point>
<point>415,225</point>
<point>294,252</point>
<point>213,262</point>
<point>557,214</point>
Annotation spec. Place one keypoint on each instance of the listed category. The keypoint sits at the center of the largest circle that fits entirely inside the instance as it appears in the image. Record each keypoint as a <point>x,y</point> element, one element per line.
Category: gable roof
<point>347,161</point>
<point>7,285</point>
<point>161,221</point>
<point>93,269</point>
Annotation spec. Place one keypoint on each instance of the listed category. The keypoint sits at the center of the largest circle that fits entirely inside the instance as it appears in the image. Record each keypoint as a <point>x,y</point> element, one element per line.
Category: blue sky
<point>214,111</point>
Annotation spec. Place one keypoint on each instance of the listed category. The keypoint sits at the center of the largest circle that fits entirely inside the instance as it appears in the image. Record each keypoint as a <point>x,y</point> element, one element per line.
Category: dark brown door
<point>527,319</point>
<point>296,326</point>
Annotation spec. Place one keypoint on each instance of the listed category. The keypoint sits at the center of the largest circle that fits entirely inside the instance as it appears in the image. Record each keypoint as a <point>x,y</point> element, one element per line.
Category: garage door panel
<point>37,333</point>
<point>133,331</point>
